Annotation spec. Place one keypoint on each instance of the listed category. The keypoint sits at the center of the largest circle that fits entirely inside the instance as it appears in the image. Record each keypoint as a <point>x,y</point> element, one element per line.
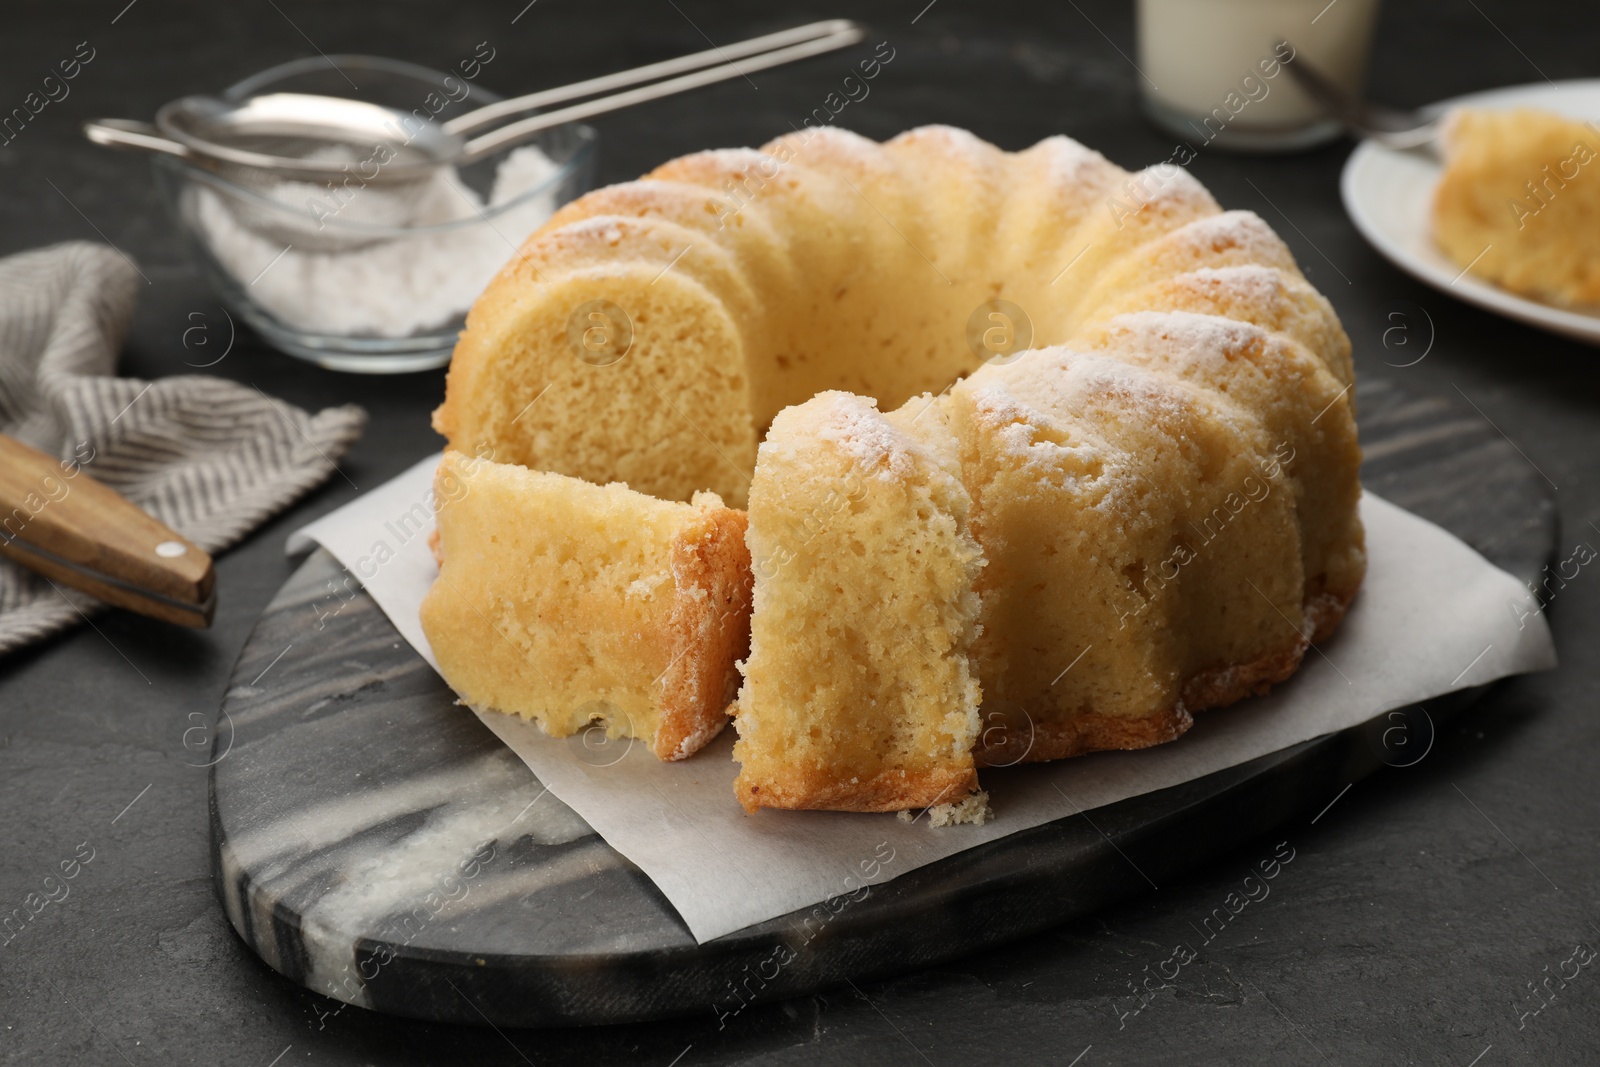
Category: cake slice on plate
<point>1519,203</point>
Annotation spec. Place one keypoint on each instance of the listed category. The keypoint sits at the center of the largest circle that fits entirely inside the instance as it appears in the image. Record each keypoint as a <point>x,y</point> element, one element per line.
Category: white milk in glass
<point>1213,70</point>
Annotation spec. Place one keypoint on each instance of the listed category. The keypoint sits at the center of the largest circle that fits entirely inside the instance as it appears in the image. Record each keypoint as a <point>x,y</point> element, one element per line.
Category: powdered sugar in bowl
<point>332,272</point>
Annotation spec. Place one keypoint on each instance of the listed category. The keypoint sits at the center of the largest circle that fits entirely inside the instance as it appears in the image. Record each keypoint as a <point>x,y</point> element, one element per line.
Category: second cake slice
<point>570,603</point>
<point>858,695</point>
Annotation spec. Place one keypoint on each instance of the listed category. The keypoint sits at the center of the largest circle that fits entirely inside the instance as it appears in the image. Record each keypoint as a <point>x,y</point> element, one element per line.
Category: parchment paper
<point>1433,616</point>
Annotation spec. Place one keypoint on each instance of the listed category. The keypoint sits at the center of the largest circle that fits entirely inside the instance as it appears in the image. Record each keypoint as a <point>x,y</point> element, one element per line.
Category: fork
<point>1390,126</point>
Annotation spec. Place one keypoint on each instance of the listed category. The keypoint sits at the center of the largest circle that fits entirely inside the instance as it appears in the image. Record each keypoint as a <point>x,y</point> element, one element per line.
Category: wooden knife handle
<point>57,520</point>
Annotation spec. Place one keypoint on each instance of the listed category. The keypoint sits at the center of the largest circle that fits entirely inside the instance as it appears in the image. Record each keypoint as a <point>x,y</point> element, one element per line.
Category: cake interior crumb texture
<point>859,693</point>
<point>974,810</point>
<point>571,603</point>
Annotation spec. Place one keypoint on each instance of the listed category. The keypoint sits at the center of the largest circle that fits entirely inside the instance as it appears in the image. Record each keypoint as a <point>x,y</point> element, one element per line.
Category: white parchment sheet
<point>1433,616</point>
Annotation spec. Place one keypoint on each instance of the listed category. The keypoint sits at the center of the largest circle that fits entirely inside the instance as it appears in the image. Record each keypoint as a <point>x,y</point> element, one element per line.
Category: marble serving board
<point>375,843</point>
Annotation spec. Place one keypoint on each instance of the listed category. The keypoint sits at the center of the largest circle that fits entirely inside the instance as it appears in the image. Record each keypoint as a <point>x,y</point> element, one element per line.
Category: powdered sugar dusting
<point>1052,404</point>
<point>1067,162</point>
<point>735,161</point>
<point>854,426</point>
<point>1257,283</point>
<point>698,738</point>
<point>609,229</point>
<point>1197,334</point>
<point>1244,231</point>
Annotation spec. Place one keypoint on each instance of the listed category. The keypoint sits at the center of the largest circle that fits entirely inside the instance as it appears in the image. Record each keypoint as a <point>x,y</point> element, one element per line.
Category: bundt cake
<point>1519,202</point>
<point>971,561</point>
<point>570,603</point>
<point>859,693</point>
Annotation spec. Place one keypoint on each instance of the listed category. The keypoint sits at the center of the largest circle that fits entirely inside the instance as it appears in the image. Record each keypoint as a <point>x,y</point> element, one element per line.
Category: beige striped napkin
<point>212,459</point>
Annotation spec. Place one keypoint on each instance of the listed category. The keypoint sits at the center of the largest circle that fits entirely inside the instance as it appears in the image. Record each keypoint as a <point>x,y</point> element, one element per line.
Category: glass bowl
<point>346,275</point>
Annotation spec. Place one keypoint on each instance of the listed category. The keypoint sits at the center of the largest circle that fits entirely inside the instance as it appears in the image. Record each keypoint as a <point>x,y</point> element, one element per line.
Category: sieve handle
<point>843,34</point>
<point>491,114</point>
<point>132,135</point>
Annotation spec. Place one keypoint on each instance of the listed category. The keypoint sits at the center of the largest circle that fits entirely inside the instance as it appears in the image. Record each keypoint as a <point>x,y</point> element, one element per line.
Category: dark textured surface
<point>1418,908</point>
<point>374,843</point>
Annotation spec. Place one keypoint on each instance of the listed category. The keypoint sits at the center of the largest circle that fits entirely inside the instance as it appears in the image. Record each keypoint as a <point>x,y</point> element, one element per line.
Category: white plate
<point>1389,195</point>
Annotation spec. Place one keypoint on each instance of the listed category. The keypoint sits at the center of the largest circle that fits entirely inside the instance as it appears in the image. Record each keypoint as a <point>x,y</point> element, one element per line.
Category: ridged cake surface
<point>1149,511</point>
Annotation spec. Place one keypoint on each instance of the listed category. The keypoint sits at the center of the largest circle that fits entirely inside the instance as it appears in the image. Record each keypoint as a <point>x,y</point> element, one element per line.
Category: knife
<point>57,520</point>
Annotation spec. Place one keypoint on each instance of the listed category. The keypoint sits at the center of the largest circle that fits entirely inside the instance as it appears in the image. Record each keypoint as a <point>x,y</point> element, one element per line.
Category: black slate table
<point>1422,908</point>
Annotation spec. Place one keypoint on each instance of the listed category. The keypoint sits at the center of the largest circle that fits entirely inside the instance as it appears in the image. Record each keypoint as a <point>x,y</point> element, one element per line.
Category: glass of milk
<point>1213,70</point>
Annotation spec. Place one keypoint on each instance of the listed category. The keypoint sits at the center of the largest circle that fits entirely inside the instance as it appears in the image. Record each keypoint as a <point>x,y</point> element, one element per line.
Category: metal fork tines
<point>1391,126</point>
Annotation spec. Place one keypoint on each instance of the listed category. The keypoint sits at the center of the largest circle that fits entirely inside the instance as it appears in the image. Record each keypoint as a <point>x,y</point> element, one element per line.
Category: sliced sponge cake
<point>858,693</point>
<point>1519,202</point>
<point>570,603</point>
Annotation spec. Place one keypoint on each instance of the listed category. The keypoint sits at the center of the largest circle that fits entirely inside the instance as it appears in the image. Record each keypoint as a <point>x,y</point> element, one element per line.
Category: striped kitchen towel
<point>212,459</point>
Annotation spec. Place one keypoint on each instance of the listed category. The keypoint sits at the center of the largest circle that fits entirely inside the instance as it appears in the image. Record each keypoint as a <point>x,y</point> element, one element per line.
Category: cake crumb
<point>974,809</point>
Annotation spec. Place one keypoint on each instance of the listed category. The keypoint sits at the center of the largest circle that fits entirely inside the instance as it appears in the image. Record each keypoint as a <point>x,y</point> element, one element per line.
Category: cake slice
<point>858,694</point>
<point>569,603</point>
<point>1519,202</point>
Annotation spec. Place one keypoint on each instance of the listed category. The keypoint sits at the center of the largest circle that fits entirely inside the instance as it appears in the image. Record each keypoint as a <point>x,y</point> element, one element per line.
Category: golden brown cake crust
<point>895,790</point>
<point>1090,732</point>
<point>1221,686</point>
<point>1215,687</point>
<point>708,633</point>
<point>1325,611</point>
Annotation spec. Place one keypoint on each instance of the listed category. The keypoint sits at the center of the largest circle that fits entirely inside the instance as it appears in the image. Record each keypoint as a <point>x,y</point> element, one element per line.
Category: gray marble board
<point>351,801</point>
